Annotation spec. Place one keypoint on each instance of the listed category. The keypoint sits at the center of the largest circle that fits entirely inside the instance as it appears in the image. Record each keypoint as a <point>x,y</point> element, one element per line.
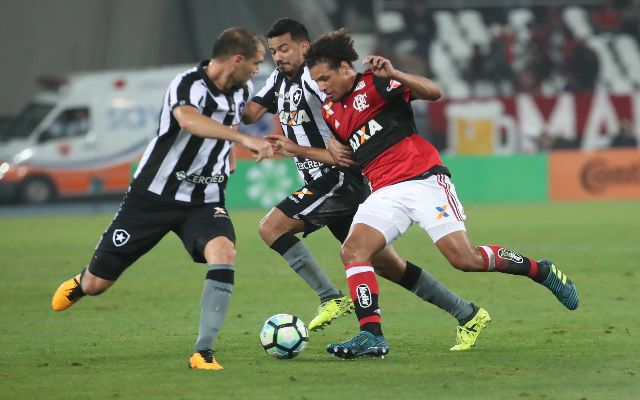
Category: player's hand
<point>341,153</point>
<point>380,66</point>
<point>282,145</point>
<point>261,148</point>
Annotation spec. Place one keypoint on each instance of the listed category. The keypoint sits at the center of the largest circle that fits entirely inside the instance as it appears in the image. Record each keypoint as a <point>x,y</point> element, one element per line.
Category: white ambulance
<point>82,135</point>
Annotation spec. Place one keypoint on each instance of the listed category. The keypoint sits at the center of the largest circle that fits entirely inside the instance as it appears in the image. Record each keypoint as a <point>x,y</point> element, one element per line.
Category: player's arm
<point>421,88</point>
<point>197,124</point>
<point>286,147</point>
<point>233,158</point>
<point>341,153</point>
<point>253,112</point>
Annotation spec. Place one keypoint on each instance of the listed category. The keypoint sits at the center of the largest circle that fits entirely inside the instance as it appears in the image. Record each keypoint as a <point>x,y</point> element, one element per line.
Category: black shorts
<point>141,222</point>
<point>331,200</point>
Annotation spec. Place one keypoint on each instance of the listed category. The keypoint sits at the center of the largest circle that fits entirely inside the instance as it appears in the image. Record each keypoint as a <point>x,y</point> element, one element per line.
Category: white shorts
<point>432,203</point>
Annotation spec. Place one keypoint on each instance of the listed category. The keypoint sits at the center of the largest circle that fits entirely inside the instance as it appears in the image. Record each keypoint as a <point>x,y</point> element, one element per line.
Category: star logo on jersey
<point>442,212</point>
<point>336,124</point>
<point>303,192</point>
<point>120,237</point>
<point>360,102</point>
<point>359,86</point>
<point>296,96</point>
<point>393,84</point>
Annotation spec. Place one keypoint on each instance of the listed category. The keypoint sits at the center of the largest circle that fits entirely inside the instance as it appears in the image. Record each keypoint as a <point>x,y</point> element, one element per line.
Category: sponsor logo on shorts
<point>120,237</point>
<point>220,212</point>
<point>364,295</point>
<point>304,192</point>
<point>442,211</point>
<point>510,255</point>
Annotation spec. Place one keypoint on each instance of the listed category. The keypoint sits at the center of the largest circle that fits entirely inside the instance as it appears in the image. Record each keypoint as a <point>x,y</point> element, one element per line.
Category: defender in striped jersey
<point>370,112</point>
<point>331,195</point>
<point>179,185</point>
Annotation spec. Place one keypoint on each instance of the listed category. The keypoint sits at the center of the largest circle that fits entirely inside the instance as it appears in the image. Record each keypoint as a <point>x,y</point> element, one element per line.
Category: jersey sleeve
<point>392,90</point>
<point>267,95</point>
<point>185,91</point>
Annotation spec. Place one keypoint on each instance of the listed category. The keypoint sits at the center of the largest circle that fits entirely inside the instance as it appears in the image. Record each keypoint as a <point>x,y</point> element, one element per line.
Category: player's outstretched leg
<point>467,334</point>
<point>560,285</point>
<point>330,310</point>
<point>500,259</point>
<point>362,344</point>
<point>204,359</point>
<point>67,294</point>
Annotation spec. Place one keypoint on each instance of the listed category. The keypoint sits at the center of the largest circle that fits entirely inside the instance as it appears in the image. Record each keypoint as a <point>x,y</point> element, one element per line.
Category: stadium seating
<point>457,30</point>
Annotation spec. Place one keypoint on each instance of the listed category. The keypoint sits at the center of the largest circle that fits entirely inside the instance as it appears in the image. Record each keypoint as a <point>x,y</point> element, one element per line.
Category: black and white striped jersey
<point>179,166</point>
<point>297,102</point>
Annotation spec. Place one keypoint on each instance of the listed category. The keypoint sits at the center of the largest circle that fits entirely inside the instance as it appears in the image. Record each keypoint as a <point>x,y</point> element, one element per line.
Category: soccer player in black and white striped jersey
<point>179,185</point>
<point>331,195</point>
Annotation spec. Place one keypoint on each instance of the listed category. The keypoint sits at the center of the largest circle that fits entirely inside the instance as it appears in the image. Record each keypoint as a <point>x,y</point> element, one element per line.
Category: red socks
<point>500,259</point>
<point>363,287</point>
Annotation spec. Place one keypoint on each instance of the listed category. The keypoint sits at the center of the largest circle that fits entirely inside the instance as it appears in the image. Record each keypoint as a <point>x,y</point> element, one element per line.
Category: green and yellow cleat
<point>362,344</point>
<point>330,310</point>
<point>561,286</point>
<point>68,293</point>
<point>466,335</point>
<point>204,359</point>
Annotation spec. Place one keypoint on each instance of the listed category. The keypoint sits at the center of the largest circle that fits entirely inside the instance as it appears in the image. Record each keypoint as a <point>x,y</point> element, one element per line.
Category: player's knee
<point>220,251</point>
<point>351,253</point>
<point>271,229</point>
<point>266,228</point>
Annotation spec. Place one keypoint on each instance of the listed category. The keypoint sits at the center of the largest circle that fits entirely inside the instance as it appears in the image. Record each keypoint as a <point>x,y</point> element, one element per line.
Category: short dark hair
<point>332,48</point>
<point>234,41</point>
<point>291,26</point>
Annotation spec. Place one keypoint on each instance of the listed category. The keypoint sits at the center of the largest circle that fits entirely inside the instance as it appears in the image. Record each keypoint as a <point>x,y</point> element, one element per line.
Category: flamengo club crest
<point>360,102</point>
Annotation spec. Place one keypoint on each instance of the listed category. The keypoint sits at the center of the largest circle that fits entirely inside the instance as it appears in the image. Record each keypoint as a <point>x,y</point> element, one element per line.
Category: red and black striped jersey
<point>376,120</point>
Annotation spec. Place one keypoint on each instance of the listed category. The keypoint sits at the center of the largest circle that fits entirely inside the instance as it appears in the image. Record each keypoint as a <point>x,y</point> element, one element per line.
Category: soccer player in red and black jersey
<point>371,113</point>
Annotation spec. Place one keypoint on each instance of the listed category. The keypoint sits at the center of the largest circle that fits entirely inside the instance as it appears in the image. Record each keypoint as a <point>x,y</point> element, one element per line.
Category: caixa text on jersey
<point>199,179</point>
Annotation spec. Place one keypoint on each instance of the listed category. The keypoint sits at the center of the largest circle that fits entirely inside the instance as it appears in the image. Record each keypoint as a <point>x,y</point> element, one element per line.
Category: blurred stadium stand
<point>490,49</point>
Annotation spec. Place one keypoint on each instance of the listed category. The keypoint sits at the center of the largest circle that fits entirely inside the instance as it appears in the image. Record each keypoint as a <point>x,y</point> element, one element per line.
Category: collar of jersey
<point>212,87</point>
<point>298,74</point>
<point>353,87</point>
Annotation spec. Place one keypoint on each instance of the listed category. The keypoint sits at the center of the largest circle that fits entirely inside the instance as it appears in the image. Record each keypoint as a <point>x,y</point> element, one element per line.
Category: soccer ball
<point>284,336</point>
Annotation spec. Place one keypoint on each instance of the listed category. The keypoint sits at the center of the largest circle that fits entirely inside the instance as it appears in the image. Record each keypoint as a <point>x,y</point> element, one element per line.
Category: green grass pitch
<point>133,342</point>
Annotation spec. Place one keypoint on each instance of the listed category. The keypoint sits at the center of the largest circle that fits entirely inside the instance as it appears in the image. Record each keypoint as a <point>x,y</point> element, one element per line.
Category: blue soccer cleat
<point>561,286</point>
<point>362,344</point>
